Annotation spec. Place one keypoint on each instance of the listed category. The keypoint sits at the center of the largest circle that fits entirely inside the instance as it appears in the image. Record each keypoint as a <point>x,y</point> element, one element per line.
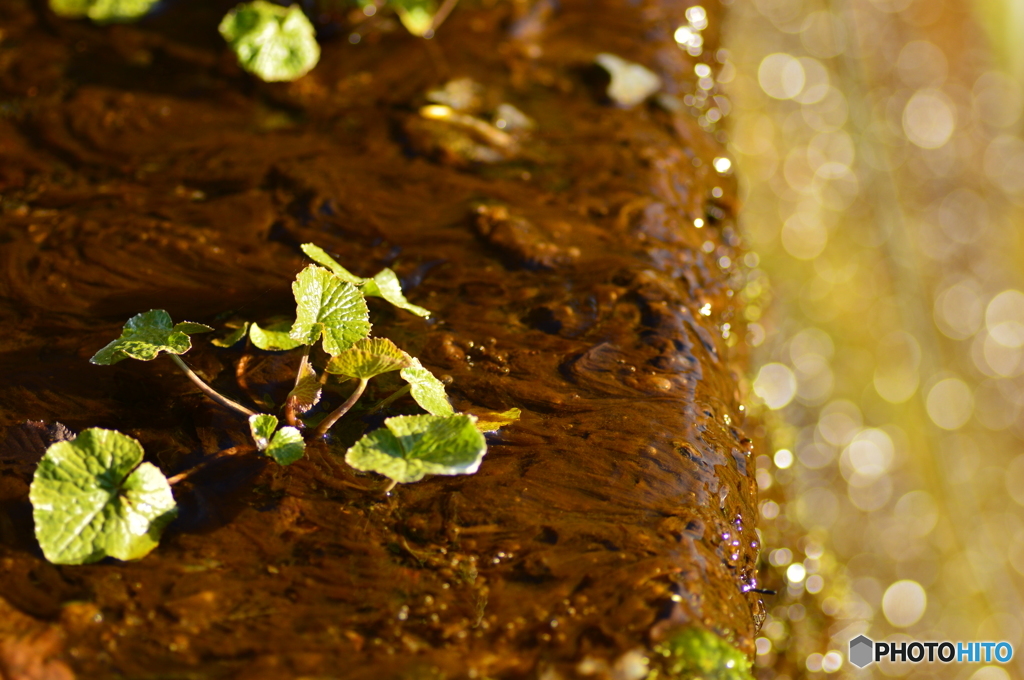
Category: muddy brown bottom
<point>141,169</point>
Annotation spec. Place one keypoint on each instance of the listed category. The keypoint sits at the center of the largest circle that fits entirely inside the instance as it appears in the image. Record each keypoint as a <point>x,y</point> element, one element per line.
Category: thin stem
<point>233,451</point>
<point>442,14</point>
<point>329,421</point>
<point>386,401</point>
<point>209,391</point>
<point>392,485</point>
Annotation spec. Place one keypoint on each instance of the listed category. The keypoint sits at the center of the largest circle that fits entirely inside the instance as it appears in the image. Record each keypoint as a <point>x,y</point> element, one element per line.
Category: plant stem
<point>207,390</point>
<point>233,451</point>
<point>442,14</point>
<point>386,401</point>
<point>392,485</point>
<point>329,421</point>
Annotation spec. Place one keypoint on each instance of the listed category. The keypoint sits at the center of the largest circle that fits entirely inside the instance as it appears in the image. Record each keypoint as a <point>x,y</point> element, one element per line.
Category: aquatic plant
<point>272,42</point>
<point>698,654</point>
<point>93,497</point>
<point>102,11</point>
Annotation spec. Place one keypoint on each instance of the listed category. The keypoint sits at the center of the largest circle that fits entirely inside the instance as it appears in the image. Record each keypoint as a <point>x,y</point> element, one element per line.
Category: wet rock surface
<point>139,169</point>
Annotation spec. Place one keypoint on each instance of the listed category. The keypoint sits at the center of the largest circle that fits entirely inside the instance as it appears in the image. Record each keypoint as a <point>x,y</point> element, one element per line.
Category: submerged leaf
<point>275,43</point>
<point>427,390</point>
<point>384,284</point>
<point>330,308</point>
<point>492,421</point>
<point>368,358</point>
<point>410,447</point>
<point>102,10</point>
<point>285,446</point>
<point>274,338</point>
<point>232,338</point>
<point>146,335</point>
<point>93,497</point>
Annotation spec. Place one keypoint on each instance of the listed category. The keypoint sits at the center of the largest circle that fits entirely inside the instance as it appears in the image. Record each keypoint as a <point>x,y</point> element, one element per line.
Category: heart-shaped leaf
<point>330,308</point>
<point>367,358</point>
<point>148,334</point>
<point>408,448</point>
<point>93,497</point>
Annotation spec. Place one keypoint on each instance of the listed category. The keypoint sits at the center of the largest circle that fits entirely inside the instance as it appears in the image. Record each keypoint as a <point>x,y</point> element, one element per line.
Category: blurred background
<point>879,148</point>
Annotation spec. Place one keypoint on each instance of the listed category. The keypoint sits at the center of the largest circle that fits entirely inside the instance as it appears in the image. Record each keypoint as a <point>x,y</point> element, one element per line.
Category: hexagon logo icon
<point>861,651</point>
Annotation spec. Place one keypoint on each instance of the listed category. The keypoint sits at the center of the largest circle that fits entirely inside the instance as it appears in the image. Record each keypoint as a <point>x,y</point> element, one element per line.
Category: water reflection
<point>880,148</point>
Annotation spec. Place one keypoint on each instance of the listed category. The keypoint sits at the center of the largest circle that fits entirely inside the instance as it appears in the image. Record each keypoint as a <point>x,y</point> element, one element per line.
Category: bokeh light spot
<point>904,603</point>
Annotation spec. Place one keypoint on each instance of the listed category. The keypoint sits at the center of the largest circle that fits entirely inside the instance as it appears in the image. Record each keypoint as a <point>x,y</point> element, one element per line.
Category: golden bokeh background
<point>879,149</point>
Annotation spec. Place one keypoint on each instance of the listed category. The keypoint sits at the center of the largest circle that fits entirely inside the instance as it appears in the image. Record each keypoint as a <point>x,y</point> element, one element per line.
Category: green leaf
<point>330,308</point>
<point>232,338</point>
<point>416,15</point>
<point>368,358</point>
<point>306,393</point>
<point>273,338</point>
<point>427,390</point>
<point>699,653</point>
<point>262,426</point>
<point>285,445</point>
<point>320,256</point>
<point>492,421</point>
<point>146,335</point>
<point>275,43</point>
<point>93,497</point>
<point>384,284</point>
<point>410,447</point>
<point>102,10</point>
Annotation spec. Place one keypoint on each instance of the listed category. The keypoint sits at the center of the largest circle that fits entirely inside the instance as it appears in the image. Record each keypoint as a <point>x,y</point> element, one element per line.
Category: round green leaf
<point>367,358</point>
<point>410,447</point>
<point>275,43</point>
<point>427,390</point>
<point>146,335</point>
<point>330,308</point>
<point>93,497</point>
<point>287,446</point>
